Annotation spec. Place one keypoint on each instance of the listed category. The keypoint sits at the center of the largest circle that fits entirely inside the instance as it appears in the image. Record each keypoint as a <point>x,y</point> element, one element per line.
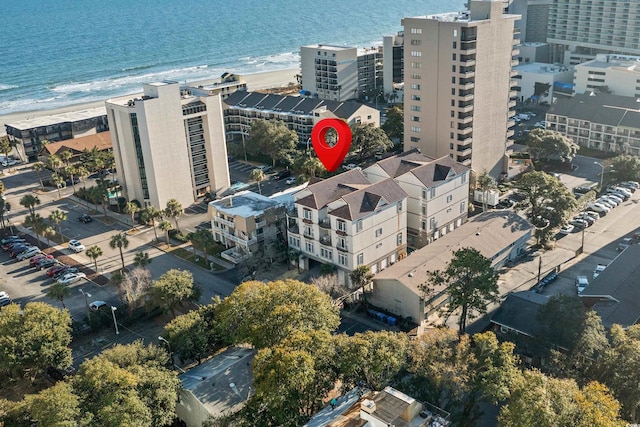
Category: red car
<point>33,261</point>
<point>55,269</point>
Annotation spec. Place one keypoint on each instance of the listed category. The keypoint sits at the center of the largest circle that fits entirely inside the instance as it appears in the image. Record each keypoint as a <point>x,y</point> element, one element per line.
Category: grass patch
<point>194,259</point>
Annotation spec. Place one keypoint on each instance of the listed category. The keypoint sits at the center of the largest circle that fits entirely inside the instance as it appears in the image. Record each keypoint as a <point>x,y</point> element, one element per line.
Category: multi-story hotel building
<point>392,63</point>
<point>340,73</point>
<point>437,193</point>
<point>348,221</point>
<point>245,222</point>
<point>599,121</point>
<point>578,30</point>
<point>242,108</point>
<point>614,74</point>
<point>458,85</point>
<point>168,144</point>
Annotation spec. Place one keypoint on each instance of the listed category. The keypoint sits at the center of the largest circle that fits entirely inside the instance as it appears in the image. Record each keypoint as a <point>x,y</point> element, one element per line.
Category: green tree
<point>394,124</point>
<point>59,292</point>
<point>485,183</point>
<point>361,278</point>
<point>94,252</point>
<point>56,217</point>
<point>128,385</point>
<point>53,163</point>
<point>550,145</point>
<point>623,168</point>
<point>311,165</point>
<point>39,167</point>
<point>134,288</point>
<point>149,215</point>
<point>132,208</point>
<point>58,181</point>
<point>174,210</point>
<point>286,306</point>
<point>367,139</point>
<point>548,204</point>
<point>258,176</point>
<point>174,288</point>
<point>48,232</point>
<point>57,406</point>
<point>30,201</point>
<point>119,241</point>
<point>191,335</point>
<point>203,240</point>
<point>5,146</point>
<point>470,282</point>
<point>33,339</point>
<point>4,208</point>
<point>141,259</point>
<point>37,224</point>
<point>166,227</point>
<point>274,139</point>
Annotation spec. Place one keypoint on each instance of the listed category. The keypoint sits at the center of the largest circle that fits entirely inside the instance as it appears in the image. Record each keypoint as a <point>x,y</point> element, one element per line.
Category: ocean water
<point>60,52</point>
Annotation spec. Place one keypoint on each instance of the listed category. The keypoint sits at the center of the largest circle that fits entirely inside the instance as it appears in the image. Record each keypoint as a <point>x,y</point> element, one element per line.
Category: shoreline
<point>255,81</point>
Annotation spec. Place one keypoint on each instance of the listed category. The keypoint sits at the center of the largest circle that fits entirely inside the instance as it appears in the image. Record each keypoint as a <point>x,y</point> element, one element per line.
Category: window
<point>416,64</point>
<point>453,57</point>
<point>424,226</point>
<point>464,178</point>
<point>415,129</point>
<point>433,192</point>
<point>424,193</point>
<point>455,45</point>
<point>308,231</point>
<point>416,108</point>
<point>416,31</point>
<point>415,42</point>
<point>449,198</point>
<point>453,68</point>
<point>451,146</point>
<point>416,76</point>
<point>342,259</point>
<point>462,207</point>
<point>415,97</point>
<point>309,247</point>
<point>324,253</point>
<point>359,225</point>
<point>453,92</point>
<point>415,139</point>
<point>451,135</point>
<point>399,239</point>
<point>342,226</point>
<point>399,207</point>
<point>415,86</point>
<point>453,113</point>
<point>432,223</point>
<point>342,243</point>
<point>294,242</point>
<point>379,232</point>
<point>424,210</point>
<point>415,118</point>
<point>360,259</point>
<point>453,80</point>
<point>306,213</point>
<point>416,53</point>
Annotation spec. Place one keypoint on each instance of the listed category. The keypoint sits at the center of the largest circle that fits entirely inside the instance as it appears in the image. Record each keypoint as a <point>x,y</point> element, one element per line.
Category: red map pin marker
<point>331,157</point>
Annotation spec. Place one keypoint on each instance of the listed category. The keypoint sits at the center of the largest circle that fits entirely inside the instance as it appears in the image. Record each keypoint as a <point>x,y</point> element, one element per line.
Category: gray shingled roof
<point>519,311</point>
<point>427,170</point>
<point>606,109</point>
<point>236,97</point>
<point>367,200</point>
<point>331,189</point>
<point>619,288</point>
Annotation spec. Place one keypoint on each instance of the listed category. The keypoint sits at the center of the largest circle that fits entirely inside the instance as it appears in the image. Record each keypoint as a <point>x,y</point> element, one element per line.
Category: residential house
<point>615,293</point>
<point>246,222</point>
<point>76,146</point>
<point>300,114</point>
<point>604,122</point>
<point>219,386</point>
<point>437,190</point>
<point>348,221</point>
<point>500,236</point>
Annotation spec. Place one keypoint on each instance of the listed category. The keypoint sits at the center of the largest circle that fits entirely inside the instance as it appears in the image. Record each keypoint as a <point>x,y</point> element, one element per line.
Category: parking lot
<point>240,171</point>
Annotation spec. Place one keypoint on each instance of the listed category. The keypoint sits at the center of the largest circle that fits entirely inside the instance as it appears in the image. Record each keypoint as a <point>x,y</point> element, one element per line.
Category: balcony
<point>325,240</point>
<point>514,62</point>
<point>465,107</point>
<point>226,222</point>
<point>464,119</point>
<point>325,223</point>
<point>465,142</point>
<point>467,73</point>
<point>511,104</point>
<point>293,228</point>
<point>510,133</point>
<point>514,73</point>
<point>234,256</point>
<point>293,213</point>
<point>244,241</point>
<point>467,85</point>
<point>462,151</point>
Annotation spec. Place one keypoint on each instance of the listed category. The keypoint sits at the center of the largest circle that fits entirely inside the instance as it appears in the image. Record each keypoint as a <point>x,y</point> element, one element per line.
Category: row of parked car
<point>613,197</point>
<point>18,248</point>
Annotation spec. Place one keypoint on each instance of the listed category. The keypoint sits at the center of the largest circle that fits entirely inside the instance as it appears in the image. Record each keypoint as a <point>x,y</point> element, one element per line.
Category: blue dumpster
<point>372,313</point>
<point>391,320</point>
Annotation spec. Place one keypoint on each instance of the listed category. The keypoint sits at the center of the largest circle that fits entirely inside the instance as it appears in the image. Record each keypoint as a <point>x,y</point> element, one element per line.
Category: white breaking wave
<point>7,87</point>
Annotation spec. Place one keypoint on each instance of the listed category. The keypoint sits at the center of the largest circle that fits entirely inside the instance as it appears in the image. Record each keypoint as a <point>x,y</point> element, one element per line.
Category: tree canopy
<point>394,124</point>
<point>274,139</point>
<point>550,145</point>
<point>367,139</point>
<point>623,168</point>
<point>174,288</point>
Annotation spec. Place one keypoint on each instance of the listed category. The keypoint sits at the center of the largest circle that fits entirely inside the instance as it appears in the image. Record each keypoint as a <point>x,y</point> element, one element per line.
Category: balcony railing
<point>245,241</point>
<point>325,240</point>
<point>293,213</point>
<point>293,228</point>
<point>342,248</point>
<point>225,221</point>
<point>234,255</point>
<point>325,223</point>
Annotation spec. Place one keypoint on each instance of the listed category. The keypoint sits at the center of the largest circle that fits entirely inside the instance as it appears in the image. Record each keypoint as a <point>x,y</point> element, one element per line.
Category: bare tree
<point>329,284</point>
<point>134,288</point>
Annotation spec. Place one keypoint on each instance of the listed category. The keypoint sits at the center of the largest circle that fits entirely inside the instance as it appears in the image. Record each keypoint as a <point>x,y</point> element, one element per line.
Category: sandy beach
<point>257,81</point>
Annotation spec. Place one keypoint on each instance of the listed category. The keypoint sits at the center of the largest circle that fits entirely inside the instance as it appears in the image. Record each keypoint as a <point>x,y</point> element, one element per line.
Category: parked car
<point>76,246</point>
<point>7,246</point>
<point>635,184</point>
<point>622,190</point>
<point>4,299</point>
<point>282,174</point>
<point>264,168</point>
<point>567,229</point>
<point>18,249</point>
<point>10,162</point>
<point>599,269</point>
<point>506,203</point>
<point>56,269</point>
<point>10,239</point>
<point>614,197</point>
<point>36,259</point>
<point>628,186</point>
<point>352,166</point>
<point>581,283</point>
<point>291,180</point>
<point>97,305</point>
<point>625,243</point>
<point>46,263</point>
<point>608,203</point>
<point>598,207</point>
<point>579,223</point>
<point>65,271</point>
<point>71,278</point>
<point>586,218</point>
<point>85,218</point>
<point>31,252</point>
<point>613,202</point>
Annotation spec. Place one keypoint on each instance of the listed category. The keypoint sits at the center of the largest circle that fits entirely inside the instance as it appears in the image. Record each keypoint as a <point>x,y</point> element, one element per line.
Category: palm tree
<point>486,183</point>
<point>65,156</point>
<point>203,240</point>
<point>56,217</point>
<point>2,188</point>
<point>258,176</point>
<point>311,165</point>
<point>94,252</point>
<point>119,241</point>
<point>131,208</point>
<point>174,210</point>
<point>4,208</point>
<point>47,232</point>
<point>39,167</point>
<point>5,146</point>
<point>165,226</point>
<point>141,259</point>
<point>361,277</point>
<point>54,163</point>
<point>36,222</point>
<point>150,214</point>
<point>59,291</point>
<point>100,193</point>
<point>58,180</point>
<point>30,201</point>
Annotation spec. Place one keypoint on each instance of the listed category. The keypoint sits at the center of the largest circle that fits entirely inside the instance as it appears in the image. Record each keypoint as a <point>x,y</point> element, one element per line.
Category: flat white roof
<point>245,204</point>
<point>542,68</point>
<point>71,116</point>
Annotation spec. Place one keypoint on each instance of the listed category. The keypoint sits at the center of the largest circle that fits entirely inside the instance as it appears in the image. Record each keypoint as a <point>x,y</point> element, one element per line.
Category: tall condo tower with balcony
<point>459,91</point>
<point>168,144</point>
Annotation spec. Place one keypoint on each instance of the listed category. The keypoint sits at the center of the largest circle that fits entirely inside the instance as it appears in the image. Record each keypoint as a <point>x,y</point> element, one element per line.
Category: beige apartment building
<point>245,222</point>
<point>168,144</point>
<point>459,84</point>
<point>609,73</point>
<point>348,221</point>
<point>437,193</point>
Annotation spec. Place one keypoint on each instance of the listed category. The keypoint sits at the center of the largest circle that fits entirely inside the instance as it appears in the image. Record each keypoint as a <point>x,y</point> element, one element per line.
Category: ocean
<point>60,52</point>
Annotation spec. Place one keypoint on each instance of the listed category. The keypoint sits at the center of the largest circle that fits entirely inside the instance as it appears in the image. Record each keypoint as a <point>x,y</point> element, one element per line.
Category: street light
<point>602,174</point>
<point>86,301</point>
<point>115,322</point>
<point>162,339</point>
